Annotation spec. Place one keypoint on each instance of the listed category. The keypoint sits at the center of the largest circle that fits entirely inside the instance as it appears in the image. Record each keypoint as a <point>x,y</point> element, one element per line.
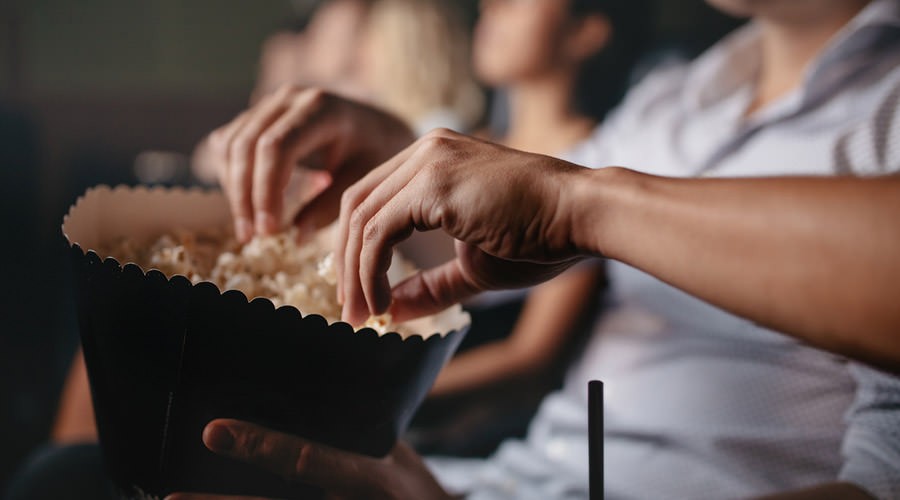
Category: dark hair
<point>604,78</point>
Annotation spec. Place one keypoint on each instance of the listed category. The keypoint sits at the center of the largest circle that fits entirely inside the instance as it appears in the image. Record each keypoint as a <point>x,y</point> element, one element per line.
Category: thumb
<point>294,458</point>
<point>431,291</point>
<point>322,210</point>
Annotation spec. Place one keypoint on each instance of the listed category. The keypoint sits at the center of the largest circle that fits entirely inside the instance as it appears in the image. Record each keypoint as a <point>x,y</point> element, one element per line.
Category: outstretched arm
<point>818,258</point>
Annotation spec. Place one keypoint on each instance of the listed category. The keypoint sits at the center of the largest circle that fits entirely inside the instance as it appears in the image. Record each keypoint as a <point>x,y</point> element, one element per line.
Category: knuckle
<point>358,219</point>
<point>348,198</point>
<point>436,143</point>
<point>253,445</point>
<point>439,213</point>
<point>285,90</point>
<point>371,231</point>
<point>306,457</point>
<point>444,132</point>
<point>218,140</point>
<point>315,96</point>
<point>239,147</point>
<point>270,141</point>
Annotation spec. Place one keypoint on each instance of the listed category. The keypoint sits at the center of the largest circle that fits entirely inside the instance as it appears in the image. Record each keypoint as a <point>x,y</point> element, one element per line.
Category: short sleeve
<point>873,148</point>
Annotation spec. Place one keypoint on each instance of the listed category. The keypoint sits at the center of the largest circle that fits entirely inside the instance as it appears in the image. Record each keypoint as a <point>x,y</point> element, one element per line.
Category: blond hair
<point>423,64</point>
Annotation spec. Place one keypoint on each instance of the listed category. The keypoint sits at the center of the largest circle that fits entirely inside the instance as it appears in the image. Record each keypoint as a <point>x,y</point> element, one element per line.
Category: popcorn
<point>274,267</point>
<point>326,269</point>
<point>379,323</point>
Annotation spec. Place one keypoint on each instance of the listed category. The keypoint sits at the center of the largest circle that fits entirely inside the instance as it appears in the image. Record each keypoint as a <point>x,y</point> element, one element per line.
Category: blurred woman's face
<point>518,39</point>
<point>333,38</point>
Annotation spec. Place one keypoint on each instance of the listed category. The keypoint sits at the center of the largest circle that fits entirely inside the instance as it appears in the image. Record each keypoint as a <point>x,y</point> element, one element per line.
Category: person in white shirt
<point>701,403</point>
<point>854,219</point>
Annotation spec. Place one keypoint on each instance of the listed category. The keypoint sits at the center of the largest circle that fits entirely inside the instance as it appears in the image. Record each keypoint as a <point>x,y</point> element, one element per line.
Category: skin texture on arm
<point>818,258</point>
<point>540,334</point>
<point>833,491</point>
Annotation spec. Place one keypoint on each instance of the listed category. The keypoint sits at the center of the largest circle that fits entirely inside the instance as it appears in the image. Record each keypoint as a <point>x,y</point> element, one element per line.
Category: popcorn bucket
<point>165,356</point>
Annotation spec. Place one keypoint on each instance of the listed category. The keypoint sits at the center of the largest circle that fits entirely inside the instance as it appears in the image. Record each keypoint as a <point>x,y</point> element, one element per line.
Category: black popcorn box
<point>165,356</point>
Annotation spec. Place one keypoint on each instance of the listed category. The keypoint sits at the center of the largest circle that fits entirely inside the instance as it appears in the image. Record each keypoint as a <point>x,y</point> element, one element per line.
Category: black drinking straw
<point>595,439</point>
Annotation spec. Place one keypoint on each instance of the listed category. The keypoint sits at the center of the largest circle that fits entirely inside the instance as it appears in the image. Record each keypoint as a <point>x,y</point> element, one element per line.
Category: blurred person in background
<point>324,53</point>
<point>282,61</point>
<point>563,65</point>
<point>415,63</point>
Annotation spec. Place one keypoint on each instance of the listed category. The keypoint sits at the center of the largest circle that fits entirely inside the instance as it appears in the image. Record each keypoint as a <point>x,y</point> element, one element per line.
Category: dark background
<point>84,87</point>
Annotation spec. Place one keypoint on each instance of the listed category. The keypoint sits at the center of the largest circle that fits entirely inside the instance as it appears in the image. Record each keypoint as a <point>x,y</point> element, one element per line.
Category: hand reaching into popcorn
<point>256,152</point>
<point>510,212</point>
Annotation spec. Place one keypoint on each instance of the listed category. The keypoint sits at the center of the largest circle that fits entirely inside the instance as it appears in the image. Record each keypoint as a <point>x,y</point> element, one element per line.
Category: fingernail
<point>243,229</point>
<point>266,223</point>
<point>218,438</point>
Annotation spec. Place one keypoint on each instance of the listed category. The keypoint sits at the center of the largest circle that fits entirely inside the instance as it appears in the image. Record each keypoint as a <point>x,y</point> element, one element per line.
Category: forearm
<point>75,415</point>
<point>544,327</point>
<point>512,357</point>
<point>834,491</point>
<point>481,366</point>
<point>817,258</point>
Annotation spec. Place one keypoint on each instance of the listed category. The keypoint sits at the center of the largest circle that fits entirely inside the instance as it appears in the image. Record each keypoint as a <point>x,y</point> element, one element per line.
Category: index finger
<point>431,291</point>
<point>356,195</point>
<point>294,458</point>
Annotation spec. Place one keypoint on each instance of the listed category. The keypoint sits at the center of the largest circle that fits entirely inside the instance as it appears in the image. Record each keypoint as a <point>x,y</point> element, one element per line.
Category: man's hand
<point>400,475</point>
<point>255,154</point>
<point>510,212</point>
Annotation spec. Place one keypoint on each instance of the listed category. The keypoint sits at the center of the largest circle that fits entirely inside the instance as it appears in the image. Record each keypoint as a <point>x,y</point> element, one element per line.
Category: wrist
<point>599,207</point>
